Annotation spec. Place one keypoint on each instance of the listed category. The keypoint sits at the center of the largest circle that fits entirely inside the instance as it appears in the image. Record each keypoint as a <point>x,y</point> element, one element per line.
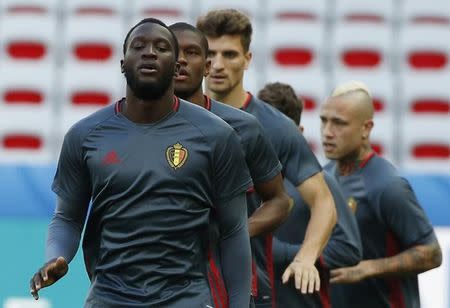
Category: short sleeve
<point>298,160</point>
<point>403,214</point>
<point>261,158</point>
<point>231,175</point>
<point>72,180</point>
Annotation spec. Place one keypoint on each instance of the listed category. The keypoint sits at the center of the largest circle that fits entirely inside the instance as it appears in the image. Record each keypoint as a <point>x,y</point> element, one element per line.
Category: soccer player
<point>264,166</point>
<point>343,248</point>
<point>153,166</point>
<point>397,238</point>
<point>229,34</point>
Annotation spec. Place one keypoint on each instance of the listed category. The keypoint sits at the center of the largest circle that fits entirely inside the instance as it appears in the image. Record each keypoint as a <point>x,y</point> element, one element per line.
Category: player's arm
<point>63,238</point>
<point>317,196</point>
<point>274,209</point>
<point>235,249</point>
<point>401,211</point>
<point>265,170</point>
<point>73,188</point>
<point>344,247</point>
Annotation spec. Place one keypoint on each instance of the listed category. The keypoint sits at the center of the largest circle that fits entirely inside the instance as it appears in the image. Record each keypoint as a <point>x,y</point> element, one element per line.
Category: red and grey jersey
<point>152,188</point>
<point>299,164</point>
<point>390,221</point>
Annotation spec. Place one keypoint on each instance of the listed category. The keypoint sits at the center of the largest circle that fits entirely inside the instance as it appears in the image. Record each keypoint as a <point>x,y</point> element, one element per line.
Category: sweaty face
<point>228,63</point>
<point>341,129</point>
<point>149,62</point>
<point>193,63</point>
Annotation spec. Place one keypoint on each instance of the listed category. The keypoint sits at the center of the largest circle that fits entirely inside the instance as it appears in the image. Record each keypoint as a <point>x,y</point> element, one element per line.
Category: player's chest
<point>156,157</point>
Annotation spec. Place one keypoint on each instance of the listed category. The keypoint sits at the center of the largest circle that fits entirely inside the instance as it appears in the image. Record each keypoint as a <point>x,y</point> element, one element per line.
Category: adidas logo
<point>111,158</point>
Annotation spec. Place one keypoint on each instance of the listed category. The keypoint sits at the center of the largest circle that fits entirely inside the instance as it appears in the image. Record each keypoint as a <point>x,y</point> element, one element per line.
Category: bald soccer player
<point>229,35</point>
<point>397,238</point>
<point>343,248</point>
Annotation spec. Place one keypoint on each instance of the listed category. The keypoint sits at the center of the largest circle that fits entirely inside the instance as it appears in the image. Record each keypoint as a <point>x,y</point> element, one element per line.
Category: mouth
<point>147,68</point>
<point>218,78</point>
<point>328,147</point>
<point>182,75</point>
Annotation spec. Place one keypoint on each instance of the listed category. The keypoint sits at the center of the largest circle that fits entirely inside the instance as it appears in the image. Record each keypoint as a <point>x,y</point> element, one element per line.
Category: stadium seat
<point>87,89</point>
<point>93,40</point>
<point>426,94</point>
<point>380,11</point>
<point>299,10</point>
<point>361,47</point>
<point>32,7</point>
<point>26,38</point>
<point>435,12</point>
<point>286,49</point>
<point>381,86</point>
<point>26,136</point>
<point>250,7</point>
<point>425,144</point>
<point>102,8</point>
<point>424,48</point>
<point>383,135</point>
<point>167,11</point>
<point>26,88</point>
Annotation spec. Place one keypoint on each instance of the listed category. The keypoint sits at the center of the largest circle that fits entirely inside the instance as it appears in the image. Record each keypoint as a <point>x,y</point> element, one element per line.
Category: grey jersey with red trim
<point>152,187</point>
<point>343,248</point>
<point>262,163</point>
<point>299,164</point>
<point>390,221</point>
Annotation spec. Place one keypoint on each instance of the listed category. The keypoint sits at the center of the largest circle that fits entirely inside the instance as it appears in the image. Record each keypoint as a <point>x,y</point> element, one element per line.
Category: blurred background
<point>59,61</point>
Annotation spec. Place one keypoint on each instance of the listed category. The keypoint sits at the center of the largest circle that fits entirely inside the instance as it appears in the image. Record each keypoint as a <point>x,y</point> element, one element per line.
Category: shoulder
<point>237,118</point>
<point>382,178</point>
<point>83,127</point>
<point>330,168</point>
<point>205,121</point>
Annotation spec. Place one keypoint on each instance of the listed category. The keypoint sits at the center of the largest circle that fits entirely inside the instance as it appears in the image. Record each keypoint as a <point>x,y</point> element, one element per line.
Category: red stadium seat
<point>301,11</point>
<point>365,11</point>
<point>27,39</point>
<point>102,8</point>
<point>424,48</point>
<point>435,12</point>
<point>93,40</point>
<point>87,89</point>
<point>168,11</point>
<point>353,49</point>
<point>28,7</point>
<point>252,8</point>
<point>288,50</point>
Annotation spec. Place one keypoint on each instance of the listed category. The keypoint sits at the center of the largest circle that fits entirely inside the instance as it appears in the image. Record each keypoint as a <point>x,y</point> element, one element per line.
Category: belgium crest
<point>176,155</point>
<point>351,202</point>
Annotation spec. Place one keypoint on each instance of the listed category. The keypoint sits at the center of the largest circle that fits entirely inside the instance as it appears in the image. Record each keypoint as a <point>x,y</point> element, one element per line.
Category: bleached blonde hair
<point>351,87</point>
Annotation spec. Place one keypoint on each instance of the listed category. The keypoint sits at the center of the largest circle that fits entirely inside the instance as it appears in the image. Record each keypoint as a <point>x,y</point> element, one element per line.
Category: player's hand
<point>351,274</point>
<point>47,275</point>
<point>306,276</point>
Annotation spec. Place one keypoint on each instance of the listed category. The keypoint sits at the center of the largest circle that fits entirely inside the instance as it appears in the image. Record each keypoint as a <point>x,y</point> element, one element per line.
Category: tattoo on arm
<point>415,260</point>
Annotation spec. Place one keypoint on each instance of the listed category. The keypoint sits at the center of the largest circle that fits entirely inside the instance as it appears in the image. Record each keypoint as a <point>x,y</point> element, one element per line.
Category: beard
<point>186,93</point>
<point>149,90</point>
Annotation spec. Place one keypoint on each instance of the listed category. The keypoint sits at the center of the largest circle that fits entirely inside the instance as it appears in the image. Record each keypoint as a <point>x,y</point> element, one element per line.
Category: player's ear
<point>367,128</point>
<point>248,58</point>
<point>177,69</point>
<point>207,67</point>
<point>301,128</point>
<point>122,69</point>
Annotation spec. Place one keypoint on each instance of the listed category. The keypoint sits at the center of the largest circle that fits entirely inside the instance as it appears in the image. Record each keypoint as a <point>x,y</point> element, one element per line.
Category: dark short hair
<point>184,26</point>
<point>283,97</point>
<point>227,22</point>
<point>154,21</point>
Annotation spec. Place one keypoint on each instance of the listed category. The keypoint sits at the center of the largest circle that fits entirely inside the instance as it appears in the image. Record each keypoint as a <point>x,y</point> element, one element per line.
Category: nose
<point>182,58</point>
<point>150,51</point>
<point>326,131</point>
<point>217,63</point>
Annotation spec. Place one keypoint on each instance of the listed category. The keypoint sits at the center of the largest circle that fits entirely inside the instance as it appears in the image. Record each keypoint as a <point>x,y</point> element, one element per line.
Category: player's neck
<point>235,98</point>
<point>197,98</point>
<point>353,160</point>
<point>147,111</point>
